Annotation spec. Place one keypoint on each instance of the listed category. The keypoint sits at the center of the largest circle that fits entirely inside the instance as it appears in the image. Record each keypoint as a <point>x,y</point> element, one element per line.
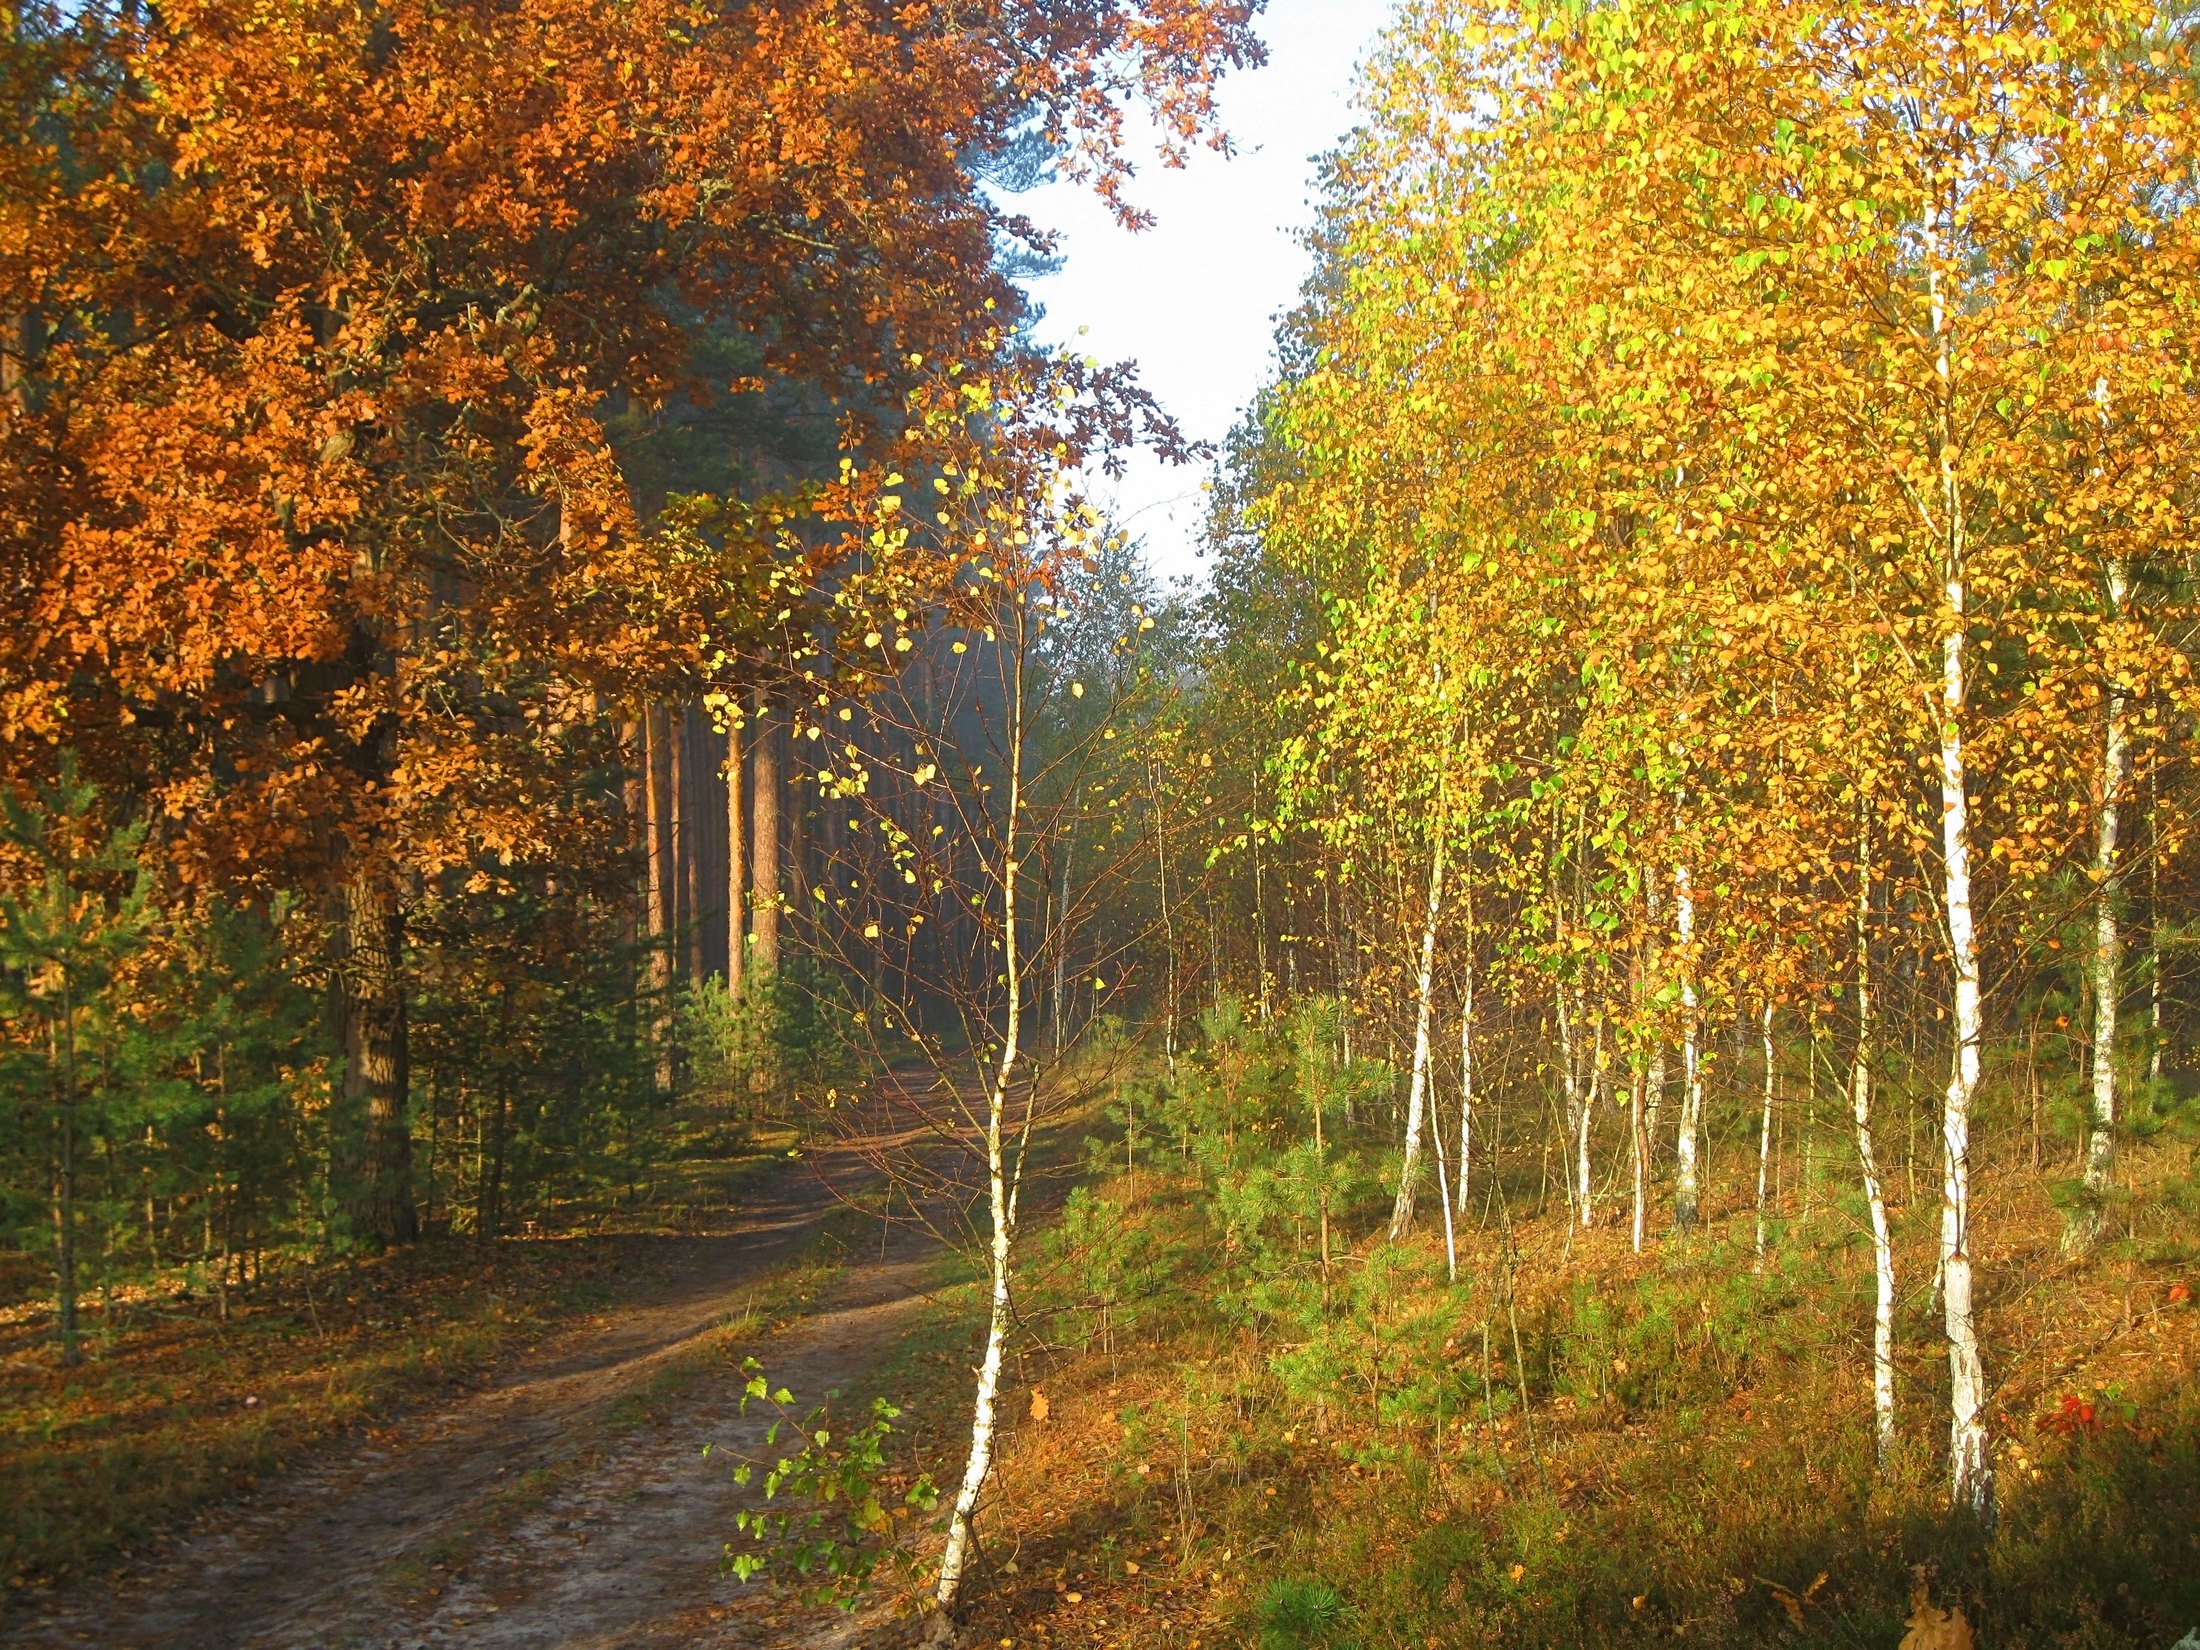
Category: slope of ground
<point>1575,1445</point>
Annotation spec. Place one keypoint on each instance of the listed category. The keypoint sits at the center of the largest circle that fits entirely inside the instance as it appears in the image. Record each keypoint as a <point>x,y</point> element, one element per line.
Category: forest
<point>1588,1039</point>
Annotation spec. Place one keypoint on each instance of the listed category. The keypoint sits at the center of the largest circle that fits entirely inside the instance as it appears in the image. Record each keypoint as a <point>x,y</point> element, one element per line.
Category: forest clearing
<point>658,987</point>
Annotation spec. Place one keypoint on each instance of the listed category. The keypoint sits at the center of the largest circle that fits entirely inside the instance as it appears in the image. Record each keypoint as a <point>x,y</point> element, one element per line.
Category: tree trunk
<point>688,793</point>
<point>377,1071</point>
<point>1638,1135</point>
<point>1168,921</point>
<point>1970,1468</point>
<point>1443,1201</point>
<point>1654,1082</point>
<point>1764,1133</point>
<point>1000,1204</point>
<point>1401,1214</point>
<point>764,839</point>
<point>634,798</point>
<point>1860,1104</point>
<point>1569,1078</point>
<point>1687,1192</point>
<point>737,904</point>
<point>661,882</point>
<point>2155,1041</point>
<point>64,1190</point>
<point>1466,1073</point>
<point>2108,945</point>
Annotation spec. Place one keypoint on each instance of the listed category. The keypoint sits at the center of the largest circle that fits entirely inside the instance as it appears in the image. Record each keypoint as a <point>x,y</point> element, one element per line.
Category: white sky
<point>1193,300</point>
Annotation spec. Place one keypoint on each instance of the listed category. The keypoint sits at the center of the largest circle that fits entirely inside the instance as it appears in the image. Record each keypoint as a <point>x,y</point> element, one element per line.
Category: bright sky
<point>1193,300</point>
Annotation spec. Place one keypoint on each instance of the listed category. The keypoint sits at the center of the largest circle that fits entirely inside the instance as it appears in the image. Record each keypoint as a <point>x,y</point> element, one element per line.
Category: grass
<point>1676,1449</point>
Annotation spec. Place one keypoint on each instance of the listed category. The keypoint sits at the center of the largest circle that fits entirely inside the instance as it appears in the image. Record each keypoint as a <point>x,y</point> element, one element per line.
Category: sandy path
<point>552,1528</point>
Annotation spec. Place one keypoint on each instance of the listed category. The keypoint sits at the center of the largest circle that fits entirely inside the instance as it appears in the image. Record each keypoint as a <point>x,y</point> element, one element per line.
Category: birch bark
<point>1401,1214</point>
<point>1970,1470</point>
<point>1875,1199</point>
<point>2108,943</point>
<point>1687,1192</point>
<point>1000,1204</point>
<point>1764,1131</point>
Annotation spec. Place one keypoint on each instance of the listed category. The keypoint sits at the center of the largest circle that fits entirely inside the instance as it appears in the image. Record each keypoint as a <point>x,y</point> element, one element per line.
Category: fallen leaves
<point>1932,1628</point>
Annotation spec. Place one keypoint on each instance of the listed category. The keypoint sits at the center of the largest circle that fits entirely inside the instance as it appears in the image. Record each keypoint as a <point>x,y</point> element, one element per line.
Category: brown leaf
<point>1932,1628</point>
<point>1039,1405</point>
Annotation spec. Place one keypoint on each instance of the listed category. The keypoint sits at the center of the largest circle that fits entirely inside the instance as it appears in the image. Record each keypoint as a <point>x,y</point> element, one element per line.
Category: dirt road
<point>532,1514</point>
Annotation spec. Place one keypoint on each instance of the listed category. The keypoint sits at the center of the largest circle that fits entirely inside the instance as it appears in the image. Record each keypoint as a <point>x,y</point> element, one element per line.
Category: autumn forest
<point>655,989</point>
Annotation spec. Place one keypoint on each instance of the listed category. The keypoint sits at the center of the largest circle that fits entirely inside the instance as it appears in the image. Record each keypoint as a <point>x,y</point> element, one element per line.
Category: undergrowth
<point>1571,1444</point>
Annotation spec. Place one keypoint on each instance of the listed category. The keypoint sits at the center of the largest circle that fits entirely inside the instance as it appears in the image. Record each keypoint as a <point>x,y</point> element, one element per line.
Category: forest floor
<point>1208,1468</point>
<point>565,1501</point>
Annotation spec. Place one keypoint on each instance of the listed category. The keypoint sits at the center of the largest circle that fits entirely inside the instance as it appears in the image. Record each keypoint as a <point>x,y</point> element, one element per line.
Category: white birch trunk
<point>1638,1134</point>
<point>2108,941</point>
<point>1687,1191</point>
<point>1655,1096</point>
<point>1971,1478</point>
<point>1764,1131</point>
<point>1443,1198</point>
<point>1570,1082</point>
<point>984,1418</point>
<point>1860,1105</point>
<point>1466,1038</point>
<point>1401,1215</point>
<point>1596,1092</point>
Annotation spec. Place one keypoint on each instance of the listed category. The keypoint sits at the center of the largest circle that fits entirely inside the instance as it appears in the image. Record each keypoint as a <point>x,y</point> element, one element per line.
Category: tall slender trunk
<point>1654,1080</point>
<point>1466,1069</point>
<point>1401,1213</point>
<point>1443,1198</point>
<point>658,755</point>
<point>1764,1130</point>
<point>689,795</point>
<point>1599,1076</point>
<point>1875,1199</point>
<point>2154,929</point>
<point>737,878</point>
<point>1260,921</point>
<point>377,1068</point>
<point>2108,939</point>
<point>680,817</point>
<point>64,1191</point>
<point>764,839</point>
<point>1569,1078</point>
<point>1168,922</point>
<point>1061,938</point>
<point>1687,1192</point>
<point>1971,1477</point>
<point>1000,1204</point>
<point>1638,1135</point>
<point>634,799</point>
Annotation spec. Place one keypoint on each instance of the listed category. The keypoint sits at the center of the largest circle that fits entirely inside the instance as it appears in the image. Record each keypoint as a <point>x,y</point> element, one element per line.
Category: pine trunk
<point>764,840</point>
<point>737,899</point>
<point>376,1066</point>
